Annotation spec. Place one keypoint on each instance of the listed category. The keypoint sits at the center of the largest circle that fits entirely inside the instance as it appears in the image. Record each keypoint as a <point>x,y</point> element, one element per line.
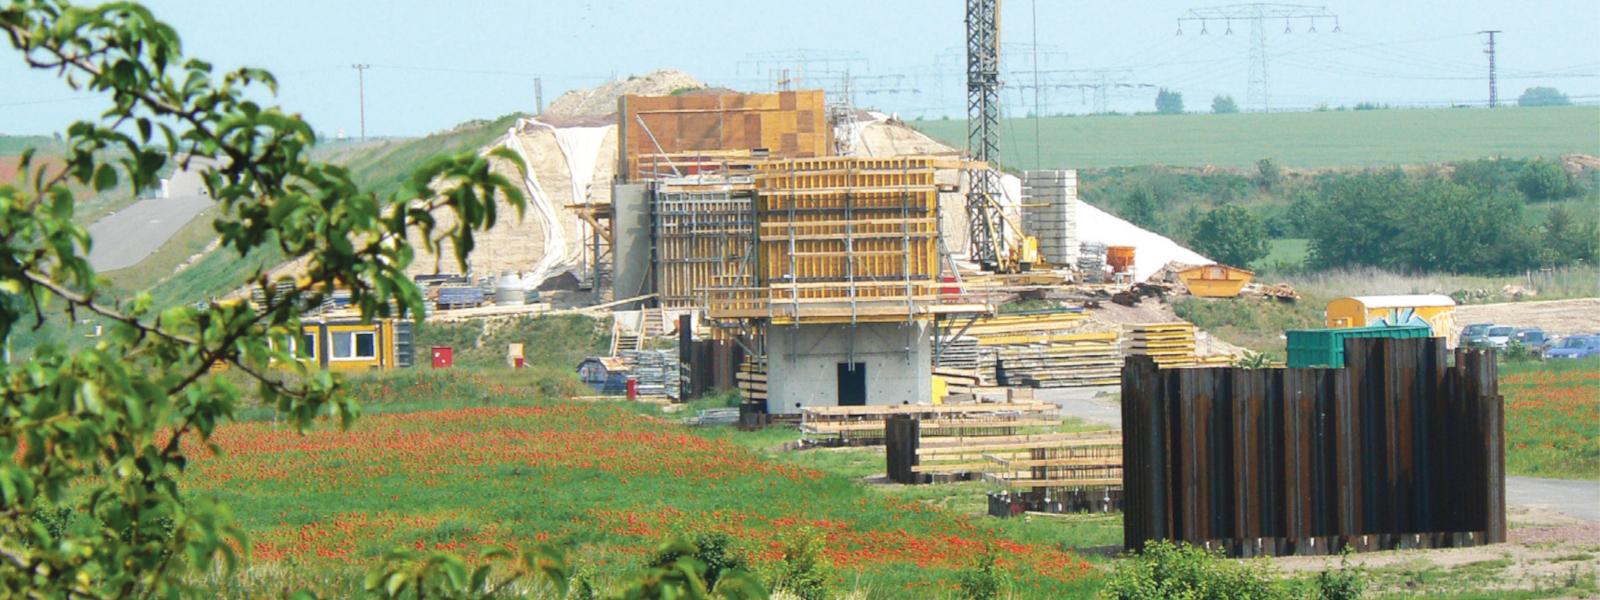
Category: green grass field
<point>1552,417</point>
<point>1301,139</point>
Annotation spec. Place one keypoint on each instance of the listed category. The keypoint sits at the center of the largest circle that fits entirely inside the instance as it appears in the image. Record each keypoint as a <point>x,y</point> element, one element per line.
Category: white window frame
<point>333,349</point>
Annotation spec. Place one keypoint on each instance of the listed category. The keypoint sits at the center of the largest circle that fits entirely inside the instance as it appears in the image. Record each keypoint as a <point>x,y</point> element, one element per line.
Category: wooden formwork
<point>703,240</point>
<point>783,124</point>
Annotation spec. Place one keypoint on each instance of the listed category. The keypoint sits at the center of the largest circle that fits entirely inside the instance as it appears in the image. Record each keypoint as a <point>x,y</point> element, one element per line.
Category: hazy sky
<point>435,64</point>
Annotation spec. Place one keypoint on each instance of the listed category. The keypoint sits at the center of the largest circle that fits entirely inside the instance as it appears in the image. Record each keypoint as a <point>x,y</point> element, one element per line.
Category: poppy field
<point>1552,418</point>
<point>601,480</point>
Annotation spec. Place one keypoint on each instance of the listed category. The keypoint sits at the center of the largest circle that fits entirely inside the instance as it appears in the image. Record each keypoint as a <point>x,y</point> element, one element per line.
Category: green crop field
<point>1552,419</point>
<point>1301,140</point>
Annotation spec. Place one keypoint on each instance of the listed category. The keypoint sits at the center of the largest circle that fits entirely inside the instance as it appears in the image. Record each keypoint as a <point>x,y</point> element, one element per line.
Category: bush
<point>1165,570</point>
<point>1344,583</point>
<point>805,571</point>
<point>985,580</point>
<point>1544,180</point>
<point>711,549</point>
<point>1519,352</point>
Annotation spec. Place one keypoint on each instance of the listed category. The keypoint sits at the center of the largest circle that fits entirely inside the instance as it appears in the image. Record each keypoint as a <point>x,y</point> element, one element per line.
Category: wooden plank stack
<point>1046,349</point>
<point>1026,462</point>
<point>752,383</point>
<point>864,425</point>
<point>1169,344</point>
<point>959,353</point>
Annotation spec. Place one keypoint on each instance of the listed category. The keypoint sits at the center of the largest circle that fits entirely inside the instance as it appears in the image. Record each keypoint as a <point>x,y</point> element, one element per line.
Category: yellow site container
<point>1436,311</point>
<point>1215,281</point>
<point>940,389</point>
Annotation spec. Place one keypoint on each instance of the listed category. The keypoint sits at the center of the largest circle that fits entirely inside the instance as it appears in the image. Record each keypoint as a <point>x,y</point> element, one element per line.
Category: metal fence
<point>1397,449</point>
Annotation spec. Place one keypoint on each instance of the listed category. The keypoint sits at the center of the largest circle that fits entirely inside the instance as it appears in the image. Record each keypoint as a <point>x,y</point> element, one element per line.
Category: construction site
<point>749,316</point>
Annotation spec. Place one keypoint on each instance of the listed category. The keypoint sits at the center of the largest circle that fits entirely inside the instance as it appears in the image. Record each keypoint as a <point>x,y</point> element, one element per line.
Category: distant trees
<point>1543,179</point>
<point>1543,96</point>
<point>1223,104</point>
<point>1570,240</point>
<point>1387,219</point>
<point>1231,235</point>
<point>1169,102</point>
<point>1139,207</point>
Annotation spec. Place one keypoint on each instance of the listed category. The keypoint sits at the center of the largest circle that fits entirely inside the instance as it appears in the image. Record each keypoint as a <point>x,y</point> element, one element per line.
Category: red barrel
<point>633,389</point>
<point>443,357</point>
<point>517,362</point>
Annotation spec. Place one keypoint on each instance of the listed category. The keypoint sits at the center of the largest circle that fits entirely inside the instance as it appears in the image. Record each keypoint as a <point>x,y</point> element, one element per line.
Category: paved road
<point>123,239</point>
<point>1092,404</point>
<point>1574,498</point>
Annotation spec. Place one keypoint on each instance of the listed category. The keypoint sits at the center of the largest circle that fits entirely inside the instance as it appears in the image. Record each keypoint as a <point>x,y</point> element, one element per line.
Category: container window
<point>354,345</point>
<point>307,347</point>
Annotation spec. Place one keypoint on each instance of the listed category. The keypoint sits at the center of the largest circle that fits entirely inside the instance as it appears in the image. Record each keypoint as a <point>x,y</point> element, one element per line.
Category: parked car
<point>1474,334</point>
<point>1533,339</point>
<point>1576,346</point>
<point>1498,336</point>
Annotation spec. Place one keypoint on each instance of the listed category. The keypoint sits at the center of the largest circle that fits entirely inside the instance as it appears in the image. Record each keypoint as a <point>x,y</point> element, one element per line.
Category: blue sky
<point>435,64</point>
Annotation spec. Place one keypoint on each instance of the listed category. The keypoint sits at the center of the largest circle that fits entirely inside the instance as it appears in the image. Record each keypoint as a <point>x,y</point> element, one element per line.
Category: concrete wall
<point>1050,213</point>
<point>803,363</point>
<point>631,238</point>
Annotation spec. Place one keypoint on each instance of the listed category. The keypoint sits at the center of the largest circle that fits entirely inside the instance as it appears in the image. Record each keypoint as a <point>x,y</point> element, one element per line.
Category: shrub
<point>1231,235</point>
<point>1544,180</point>
<point>1344,583</point>
<point>987,579</point>
<point>805,571</point>
<point>1519,352</point>
<point>711,549</point>
<point>1166,570</point>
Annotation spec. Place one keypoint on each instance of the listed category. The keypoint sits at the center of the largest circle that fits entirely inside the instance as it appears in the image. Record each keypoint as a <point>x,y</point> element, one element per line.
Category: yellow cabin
<point>1436,311</point>
<point>1215,281</point>
<point>350,345</point>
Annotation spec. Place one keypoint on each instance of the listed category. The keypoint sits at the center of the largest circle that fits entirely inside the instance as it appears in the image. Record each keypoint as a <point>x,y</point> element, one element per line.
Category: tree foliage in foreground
<point>98,436</point>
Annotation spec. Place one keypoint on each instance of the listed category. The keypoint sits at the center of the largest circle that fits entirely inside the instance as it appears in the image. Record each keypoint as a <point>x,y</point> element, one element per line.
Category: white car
<point>1499,336</point>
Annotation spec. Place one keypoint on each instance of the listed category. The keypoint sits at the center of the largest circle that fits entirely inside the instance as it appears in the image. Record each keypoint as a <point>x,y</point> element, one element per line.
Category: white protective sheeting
<point>580,149</point>
<point>1151,251</point>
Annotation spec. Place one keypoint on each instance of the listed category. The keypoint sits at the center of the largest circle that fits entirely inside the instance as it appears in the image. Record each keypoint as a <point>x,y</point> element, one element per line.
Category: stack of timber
<point>752,383</point>
<point>1045,349</point>
<point>864,425</point>
<point>1169,344</point>
<point>1064,461</point>
<point>960,384</point>
<point>960,352</point>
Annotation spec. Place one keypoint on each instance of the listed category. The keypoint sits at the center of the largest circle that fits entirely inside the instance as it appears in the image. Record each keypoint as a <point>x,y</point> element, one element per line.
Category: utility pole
<point>1260,88</point>
<point>361,87</point>
<point>538,96</point>
<point>1494,93</point>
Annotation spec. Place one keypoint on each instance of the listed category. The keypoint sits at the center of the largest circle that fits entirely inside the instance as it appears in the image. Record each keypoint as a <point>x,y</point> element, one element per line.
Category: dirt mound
<point>602,99</point>
<point>1576,164</point>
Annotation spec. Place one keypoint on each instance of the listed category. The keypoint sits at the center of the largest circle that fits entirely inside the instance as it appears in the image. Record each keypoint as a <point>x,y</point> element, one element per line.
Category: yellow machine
<point>1436,311</point>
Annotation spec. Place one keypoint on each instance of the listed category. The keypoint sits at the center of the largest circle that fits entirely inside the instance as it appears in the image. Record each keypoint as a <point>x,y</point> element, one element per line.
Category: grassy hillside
<point>1304,139</point>
<point>384,165</point>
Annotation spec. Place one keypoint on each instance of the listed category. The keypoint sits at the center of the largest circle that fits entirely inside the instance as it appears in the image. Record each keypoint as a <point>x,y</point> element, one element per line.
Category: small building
<point>1437,311</point>
<point>606,374</point>
<point>351,345</point>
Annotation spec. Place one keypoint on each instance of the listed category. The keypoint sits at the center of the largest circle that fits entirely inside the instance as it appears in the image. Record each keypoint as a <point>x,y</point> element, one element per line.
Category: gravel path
<point>124,238</point>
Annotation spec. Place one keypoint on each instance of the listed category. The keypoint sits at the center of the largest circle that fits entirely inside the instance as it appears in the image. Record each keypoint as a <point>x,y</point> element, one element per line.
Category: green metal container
<point>1325,347</point>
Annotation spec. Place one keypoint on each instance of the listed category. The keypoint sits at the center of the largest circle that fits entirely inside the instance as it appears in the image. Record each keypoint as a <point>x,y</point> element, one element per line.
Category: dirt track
<point>1555,317</point>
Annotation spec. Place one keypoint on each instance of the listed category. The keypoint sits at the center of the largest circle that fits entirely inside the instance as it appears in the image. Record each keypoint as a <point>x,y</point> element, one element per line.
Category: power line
<point>1494,94</point>
<point>1260,87</point>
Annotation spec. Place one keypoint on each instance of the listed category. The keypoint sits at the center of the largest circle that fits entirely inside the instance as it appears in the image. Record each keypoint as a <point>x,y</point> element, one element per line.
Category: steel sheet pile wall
<point>1395,450</point>
<point>703,240</point>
